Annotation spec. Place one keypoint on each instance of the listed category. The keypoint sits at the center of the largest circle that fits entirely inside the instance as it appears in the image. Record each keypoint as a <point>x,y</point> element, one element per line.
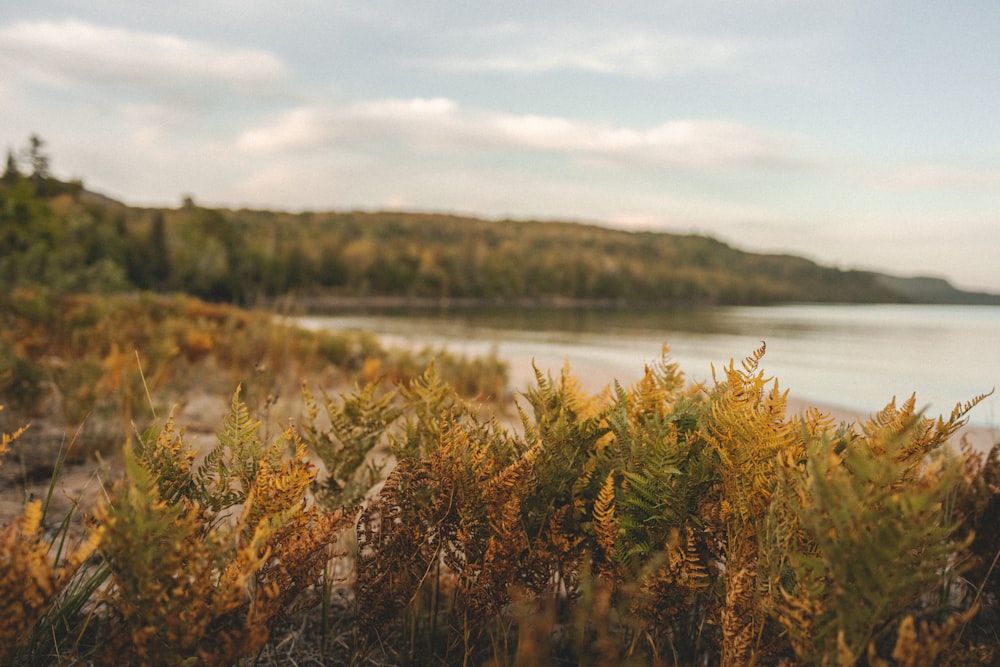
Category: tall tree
<point>159,259</point>
<point>37,158</point>
<point>11,174</point>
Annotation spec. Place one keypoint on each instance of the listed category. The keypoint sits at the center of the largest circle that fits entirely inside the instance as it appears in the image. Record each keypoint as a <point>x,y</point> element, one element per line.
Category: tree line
<point>61,236</point>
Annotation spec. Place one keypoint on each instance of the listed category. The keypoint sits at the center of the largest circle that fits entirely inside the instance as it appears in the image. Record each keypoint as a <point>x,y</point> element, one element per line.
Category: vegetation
<point>654,524</point>
<point>67,239</point>
<point>74,359</point>
<point>407,514</point>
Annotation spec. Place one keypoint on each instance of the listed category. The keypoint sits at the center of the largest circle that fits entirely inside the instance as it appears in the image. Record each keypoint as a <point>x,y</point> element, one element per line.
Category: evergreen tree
<point>11,174</point>
<point>37,158</point>
<point>159,259</point>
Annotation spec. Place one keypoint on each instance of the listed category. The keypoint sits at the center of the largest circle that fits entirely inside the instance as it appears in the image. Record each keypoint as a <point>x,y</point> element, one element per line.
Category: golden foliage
<point>7,438</point>
<point>177,588</point>
<point>748,429</point>
<point>30,579</point>
<point>604,518</point>
<point>188,581</point>
<point>27,582</point>
<point>649,524</point>
<point>750,433</point>
<point>30,582</point>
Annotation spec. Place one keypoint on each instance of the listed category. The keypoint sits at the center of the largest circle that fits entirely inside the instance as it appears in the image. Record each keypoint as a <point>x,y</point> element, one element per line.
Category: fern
<point>162,452</point>
<point>229,468</point>
<point>567,428</point>
<point>867,537</point>
<point>173,581</point>
<point>430,403</point>
<point>6,439</point>
<point>31,581</point>
<point>187,584</point>
<point>358,423</point>
<point>657,464</point>
<point>605,524</point>
<point>648,524</point>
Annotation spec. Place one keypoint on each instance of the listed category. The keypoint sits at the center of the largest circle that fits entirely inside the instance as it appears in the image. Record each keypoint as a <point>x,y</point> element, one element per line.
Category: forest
<point>60,235</point>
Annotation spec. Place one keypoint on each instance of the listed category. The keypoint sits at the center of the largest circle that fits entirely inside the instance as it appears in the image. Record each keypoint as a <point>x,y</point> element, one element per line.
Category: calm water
<point>855,357</point>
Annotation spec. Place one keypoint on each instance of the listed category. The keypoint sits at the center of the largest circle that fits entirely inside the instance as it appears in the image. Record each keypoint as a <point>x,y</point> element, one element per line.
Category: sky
<point>857,133</point>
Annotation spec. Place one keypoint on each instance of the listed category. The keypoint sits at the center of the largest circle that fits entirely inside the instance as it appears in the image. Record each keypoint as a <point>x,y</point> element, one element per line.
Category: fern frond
<point>751,363</point>
<point>358,422</point>
<point>963,409</point>
<point>604,518</point>
<point>7,438</point>
<point>239,431</point>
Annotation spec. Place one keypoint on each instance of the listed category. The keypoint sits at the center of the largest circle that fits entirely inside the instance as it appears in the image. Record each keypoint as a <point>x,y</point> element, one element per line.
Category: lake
<point>855,357</point>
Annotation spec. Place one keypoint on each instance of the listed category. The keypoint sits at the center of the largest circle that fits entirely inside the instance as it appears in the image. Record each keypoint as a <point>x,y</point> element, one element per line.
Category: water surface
<point>857,357</point>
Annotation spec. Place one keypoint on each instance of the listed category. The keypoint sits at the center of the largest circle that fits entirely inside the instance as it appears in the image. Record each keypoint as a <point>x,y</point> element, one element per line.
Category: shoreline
<point>595,377</point>
<point>980,437</point>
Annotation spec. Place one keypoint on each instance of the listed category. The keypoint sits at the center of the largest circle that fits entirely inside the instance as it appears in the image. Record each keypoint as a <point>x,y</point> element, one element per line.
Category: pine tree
<point>37,158</point>
<point>11,174</point>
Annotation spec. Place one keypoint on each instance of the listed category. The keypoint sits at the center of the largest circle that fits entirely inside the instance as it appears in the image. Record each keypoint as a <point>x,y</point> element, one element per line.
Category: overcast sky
<point>858,133</point>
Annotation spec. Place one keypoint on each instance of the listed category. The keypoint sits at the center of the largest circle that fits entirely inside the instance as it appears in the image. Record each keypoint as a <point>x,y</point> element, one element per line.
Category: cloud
<point>938,177</point>
<point>633,53</point>
<point>442,125</point>
<point>72,52</point>
<point>295,129</point>
<point>499,191</point>
<point>681,143</point>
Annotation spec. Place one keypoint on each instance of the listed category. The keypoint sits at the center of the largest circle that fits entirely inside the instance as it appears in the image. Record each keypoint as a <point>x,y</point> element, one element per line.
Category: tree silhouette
<point>11,174</point>
<point>37,158</point>
<point>159,260</point>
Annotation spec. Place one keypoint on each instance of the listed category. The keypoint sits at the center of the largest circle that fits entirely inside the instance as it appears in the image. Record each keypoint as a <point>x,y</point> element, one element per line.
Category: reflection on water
<point>857,357</point>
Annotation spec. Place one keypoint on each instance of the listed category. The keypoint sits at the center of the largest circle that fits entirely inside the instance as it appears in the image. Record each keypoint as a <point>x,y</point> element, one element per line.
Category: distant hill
<point>926,289</point>
<point>70,239</point>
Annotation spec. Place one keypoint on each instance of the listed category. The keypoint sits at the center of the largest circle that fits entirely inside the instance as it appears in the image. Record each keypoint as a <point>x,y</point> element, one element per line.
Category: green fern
<point>229,468</point>
<point>866,534</point>
<point>358,423</point>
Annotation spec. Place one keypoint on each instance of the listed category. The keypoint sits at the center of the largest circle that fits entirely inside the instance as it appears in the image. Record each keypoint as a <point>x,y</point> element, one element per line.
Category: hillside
<point>64,238</point>
<point>925,289</point>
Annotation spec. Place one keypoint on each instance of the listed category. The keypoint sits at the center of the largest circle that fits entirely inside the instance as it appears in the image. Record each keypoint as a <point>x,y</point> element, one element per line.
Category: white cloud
<point>318,126</point>
<point>74,52</point>
<point>441,124</point>
<point>634,53</point>
<point>681,143</point>
<point>295,129</point>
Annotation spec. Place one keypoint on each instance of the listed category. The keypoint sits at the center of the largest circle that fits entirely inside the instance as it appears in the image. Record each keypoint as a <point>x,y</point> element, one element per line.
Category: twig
<point>145,386</point>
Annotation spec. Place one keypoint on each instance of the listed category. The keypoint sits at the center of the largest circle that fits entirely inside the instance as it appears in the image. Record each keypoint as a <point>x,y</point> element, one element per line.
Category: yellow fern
<point>7,438</point>
<point>604,518</point>
<point>30,582</point>
<point>748,429</point>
